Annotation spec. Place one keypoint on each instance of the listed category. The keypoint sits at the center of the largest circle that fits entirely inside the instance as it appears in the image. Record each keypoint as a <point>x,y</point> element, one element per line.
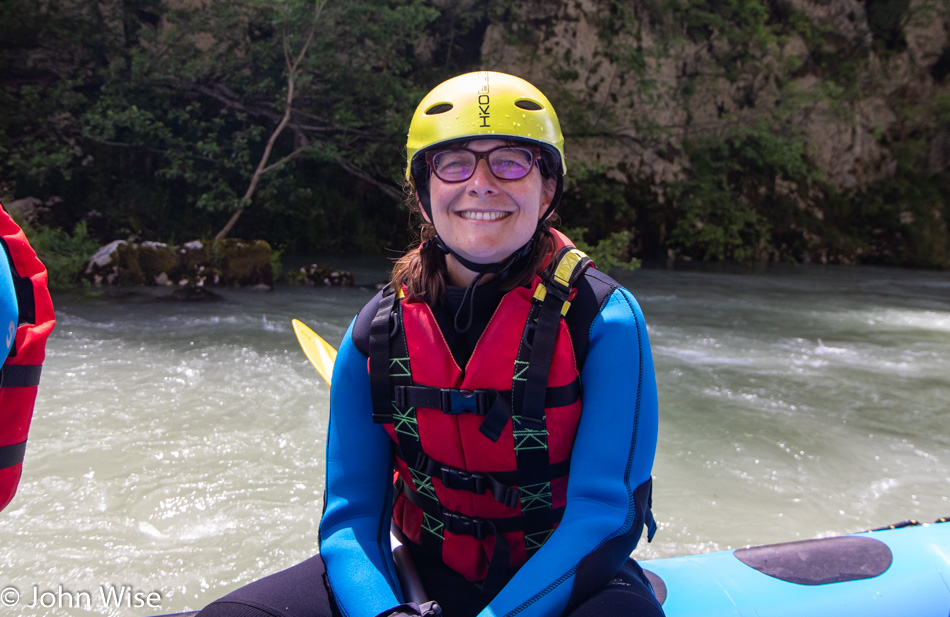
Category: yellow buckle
<point>540,292</point>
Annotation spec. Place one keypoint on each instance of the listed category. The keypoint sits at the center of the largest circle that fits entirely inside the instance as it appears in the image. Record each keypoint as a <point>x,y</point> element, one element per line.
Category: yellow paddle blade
<point>321,354</point>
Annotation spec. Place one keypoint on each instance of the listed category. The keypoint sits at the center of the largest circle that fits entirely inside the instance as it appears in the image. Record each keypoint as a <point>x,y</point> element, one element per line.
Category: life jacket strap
<point>448,400</point>
<point>379,361</point>
<point>12,455</point>
<point>493,404</point>
<point>20,376</point>
<point>651,525</point>
<point>648,519</point>
<point>461,524</point>
<point>553,296</point>
<point>478,483</point>
<point>529,392</point>
<point>471,481</point>
<point>502,485</point>
<point>479,528</point>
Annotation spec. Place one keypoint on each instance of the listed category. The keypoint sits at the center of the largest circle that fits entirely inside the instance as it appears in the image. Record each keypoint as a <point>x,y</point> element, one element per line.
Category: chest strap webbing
<point>503,485</point>
<point>495,405</point>
<point>475,526</point>
<point>532,366</point>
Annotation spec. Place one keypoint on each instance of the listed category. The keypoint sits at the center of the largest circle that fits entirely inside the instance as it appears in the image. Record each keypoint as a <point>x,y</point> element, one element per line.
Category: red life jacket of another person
<point>20,374</point>
<point>482,454</point>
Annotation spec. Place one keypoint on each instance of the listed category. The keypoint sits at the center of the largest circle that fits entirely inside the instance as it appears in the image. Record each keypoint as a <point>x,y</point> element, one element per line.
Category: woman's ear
<point>548,190</point>
<point>421,209</point>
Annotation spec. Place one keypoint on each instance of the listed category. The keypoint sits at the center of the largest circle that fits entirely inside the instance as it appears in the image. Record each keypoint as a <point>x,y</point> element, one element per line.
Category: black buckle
<point>399,397</point>
<point>561,292</point>
<point>460,524</point>
<point>479,483</point>
<point>511,497</point>
<point>462,480</point>
<point>456,401</point>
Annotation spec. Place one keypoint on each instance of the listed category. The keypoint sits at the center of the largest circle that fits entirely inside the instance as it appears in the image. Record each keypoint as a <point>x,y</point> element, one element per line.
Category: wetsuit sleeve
<point>354,531</point>
<point>612,458</point>
<point>8,307</point>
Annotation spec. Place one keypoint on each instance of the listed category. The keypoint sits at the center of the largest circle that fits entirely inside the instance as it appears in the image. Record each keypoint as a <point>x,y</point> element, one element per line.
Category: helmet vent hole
<point>440,108</point>
<point>528,105</point>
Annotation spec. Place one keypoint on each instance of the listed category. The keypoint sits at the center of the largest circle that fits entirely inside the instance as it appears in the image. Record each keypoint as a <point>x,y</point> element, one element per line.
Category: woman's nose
<point>483,180</point>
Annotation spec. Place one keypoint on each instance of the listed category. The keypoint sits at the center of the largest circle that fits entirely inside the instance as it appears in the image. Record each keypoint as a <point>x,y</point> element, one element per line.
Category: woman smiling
<point>507,383</point>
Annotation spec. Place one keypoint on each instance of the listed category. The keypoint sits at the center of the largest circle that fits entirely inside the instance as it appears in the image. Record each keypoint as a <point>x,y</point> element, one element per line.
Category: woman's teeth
<point>484,216</point>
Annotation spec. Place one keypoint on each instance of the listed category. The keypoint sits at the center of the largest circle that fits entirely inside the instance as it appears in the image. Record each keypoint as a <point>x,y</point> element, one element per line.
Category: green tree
<point>253,84</point>
<point>733,201</point>
<point>172,121</point>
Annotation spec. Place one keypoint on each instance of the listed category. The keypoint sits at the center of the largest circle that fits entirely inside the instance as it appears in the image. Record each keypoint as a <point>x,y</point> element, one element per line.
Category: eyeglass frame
<point>534,151</point>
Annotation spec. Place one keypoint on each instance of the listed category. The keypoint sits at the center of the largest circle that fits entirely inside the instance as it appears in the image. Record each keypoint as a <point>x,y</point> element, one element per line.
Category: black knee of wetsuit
<point>299,591</point>
<point>628,593</point>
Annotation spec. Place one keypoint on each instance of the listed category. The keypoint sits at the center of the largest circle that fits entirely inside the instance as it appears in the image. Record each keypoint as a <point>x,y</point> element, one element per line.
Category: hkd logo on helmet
<point>483,101</point>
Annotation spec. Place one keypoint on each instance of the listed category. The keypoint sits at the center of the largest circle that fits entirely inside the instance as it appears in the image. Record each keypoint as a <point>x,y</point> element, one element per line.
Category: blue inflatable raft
<point>900,571</point>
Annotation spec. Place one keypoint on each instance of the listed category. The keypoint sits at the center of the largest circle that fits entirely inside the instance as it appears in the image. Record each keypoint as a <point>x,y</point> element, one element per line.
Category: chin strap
<point>501,268</point>
<point>463,317</point>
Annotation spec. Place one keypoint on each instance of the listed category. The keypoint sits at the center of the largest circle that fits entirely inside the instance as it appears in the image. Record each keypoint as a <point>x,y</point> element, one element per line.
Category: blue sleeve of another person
<point>612,456</point>
<point>8,307</point>
<point>354,531</point>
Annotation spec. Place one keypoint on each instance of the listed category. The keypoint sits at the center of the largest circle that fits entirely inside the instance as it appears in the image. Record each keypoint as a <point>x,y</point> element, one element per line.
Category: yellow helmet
<point>488,105</point>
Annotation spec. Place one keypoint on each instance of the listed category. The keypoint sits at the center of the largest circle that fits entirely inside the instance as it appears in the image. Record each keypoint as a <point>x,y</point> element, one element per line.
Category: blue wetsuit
<point>8,307</point>
<point>612,456</point>
<point>582,570</point>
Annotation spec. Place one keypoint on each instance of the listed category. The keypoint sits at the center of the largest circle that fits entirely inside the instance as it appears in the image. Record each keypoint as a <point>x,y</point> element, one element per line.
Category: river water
<point>177,449</point>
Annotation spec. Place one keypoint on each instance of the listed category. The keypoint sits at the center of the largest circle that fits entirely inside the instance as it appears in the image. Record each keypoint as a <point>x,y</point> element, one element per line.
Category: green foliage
<point>600,205</point>
<point>886,20</point>
<point>903,218</point>
<point>742,22</point>
<point>748,28</point>
<point>714,223</point>
<point>169,125</point>
<point>64,254</point>
<point>276,265</point>
<point>597,196</point>
<point>728,207</point>
<point>608,253</point>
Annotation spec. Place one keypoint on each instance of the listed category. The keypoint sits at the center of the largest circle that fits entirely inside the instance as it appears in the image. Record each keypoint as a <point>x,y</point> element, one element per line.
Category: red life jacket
<point>20,374</point>
<point>482,454</point>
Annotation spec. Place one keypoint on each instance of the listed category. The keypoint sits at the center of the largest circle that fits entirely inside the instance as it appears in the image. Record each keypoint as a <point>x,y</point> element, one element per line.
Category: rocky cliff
<point>845,87</point>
